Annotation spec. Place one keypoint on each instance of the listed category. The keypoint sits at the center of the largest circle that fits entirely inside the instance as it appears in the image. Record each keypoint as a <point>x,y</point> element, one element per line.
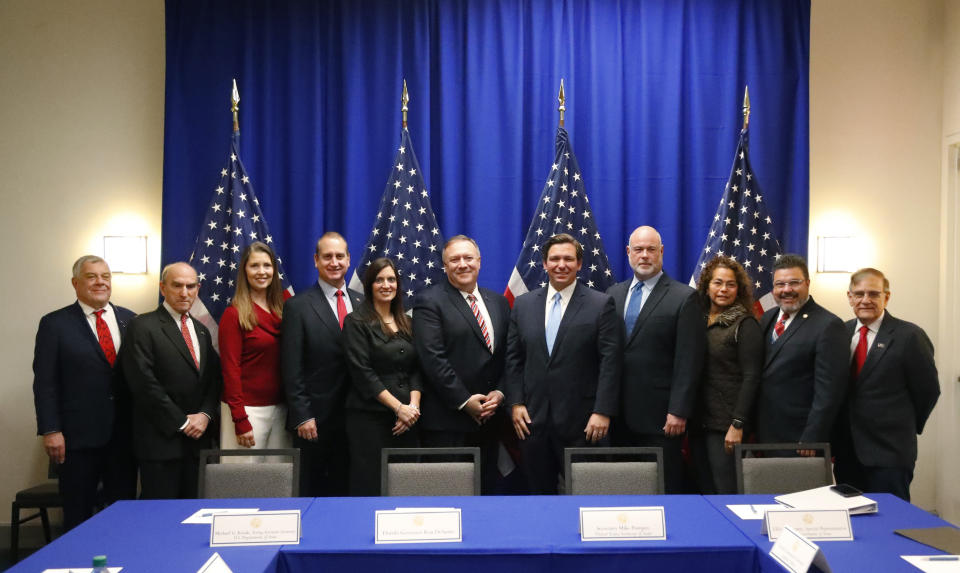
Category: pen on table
<point>752,509</point>
<point>943,558</point>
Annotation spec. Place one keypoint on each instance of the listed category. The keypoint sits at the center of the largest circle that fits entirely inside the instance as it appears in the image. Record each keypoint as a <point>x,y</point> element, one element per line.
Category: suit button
<point>402,350</point>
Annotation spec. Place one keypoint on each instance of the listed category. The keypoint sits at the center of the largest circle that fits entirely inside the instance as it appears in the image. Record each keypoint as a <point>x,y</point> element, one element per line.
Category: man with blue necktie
<point>563,365</point>
<point>664,349</point>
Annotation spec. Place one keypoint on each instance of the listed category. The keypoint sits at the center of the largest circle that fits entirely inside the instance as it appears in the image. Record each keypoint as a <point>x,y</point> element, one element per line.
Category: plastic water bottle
<point>100,564</point>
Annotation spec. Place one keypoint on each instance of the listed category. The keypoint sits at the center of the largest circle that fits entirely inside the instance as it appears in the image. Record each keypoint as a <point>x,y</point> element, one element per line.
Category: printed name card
<point>419,525</point>
<point>622,523</point>
<point>797,553</point>
<point>819,524</point>
<point>256,528</point>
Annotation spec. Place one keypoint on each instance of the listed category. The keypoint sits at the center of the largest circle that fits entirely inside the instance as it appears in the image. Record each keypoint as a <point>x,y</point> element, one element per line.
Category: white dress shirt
<point>193,331</point>
<point>872,329</point>
<point>109,317</point>
<point>330,293</point>
<point>565,295</point>
<point>648,286</point>
<point>483,312</point>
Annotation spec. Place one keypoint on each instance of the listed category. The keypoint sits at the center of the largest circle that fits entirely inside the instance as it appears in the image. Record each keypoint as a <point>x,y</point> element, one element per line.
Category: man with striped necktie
<point>460,330</point>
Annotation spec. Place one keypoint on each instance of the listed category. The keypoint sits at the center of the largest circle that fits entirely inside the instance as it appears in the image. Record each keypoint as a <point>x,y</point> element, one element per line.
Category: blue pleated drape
<point>654,91</point>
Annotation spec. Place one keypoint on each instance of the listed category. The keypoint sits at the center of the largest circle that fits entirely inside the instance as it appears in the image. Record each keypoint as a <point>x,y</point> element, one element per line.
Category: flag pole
<point>563,102</point>
<point>746,106</point>
<point>234,103</point>
<point>404,100</point>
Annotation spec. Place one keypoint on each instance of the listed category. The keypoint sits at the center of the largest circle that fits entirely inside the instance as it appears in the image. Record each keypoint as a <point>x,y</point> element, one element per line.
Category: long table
<point>503,534</point>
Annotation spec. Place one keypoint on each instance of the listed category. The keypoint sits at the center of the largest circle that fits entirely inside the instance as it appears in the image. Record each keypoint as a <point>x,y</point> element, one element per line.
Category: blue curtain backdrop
<point>654,91</point>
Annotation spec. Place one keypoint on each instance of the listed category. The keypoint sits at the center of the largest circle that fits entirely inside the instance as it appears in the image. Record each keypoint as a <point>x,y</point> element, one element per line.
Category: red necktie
<point>860,355</point>
<point>341,308</point>
<point>483,325</point>
<point>186,338</point>
<point>105,338</point>
<point>779,327</point>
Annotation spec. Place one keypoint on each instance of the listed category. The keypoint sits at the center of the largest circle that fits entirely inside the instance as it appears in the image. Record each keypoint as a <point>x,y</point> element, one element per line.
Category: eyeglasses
<point>795,283</point>
<point>871,294</point>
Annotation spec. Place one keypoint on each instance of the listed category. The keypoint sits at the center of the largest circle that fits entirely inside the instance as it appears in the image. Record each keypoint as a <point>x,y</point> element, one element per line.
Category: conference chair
<point>776,468</point>
<point>613,471</point>
<point>268,478</point>
<point>429,471</point>
<point>40,497</point>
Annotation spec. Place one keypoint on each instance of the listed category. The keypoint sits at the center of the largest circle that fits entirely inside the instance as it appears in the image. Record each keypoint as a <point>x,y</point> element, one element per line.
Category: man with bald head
<point>664,349</point>
<point>174,377</point>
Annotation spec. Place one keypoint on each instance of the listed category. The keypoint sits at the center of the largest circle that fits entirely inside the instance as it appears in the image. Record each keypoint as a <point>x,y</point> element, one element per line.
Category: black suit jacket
<point>166,385</point>
<point>663,356</point>
<point>453,355</point>
<point>312,362</point>
<point>75,390</point>
<point>580,377</point>
<point>804,377</point>
<point>889,402</point>
<point>377,362</point>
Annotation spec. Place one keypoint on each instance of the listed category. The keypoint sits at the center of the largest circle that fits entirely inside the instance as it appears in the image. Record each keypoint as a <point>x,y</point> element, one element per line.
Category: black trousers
<point>324,463</point>
<point>486,437</point>
<point>716,469</point>
<point>81,474</point>
<point>542,462</point>
<point>848,469</point>
<point>672,454</point>
<point>170,479</point>
<point>367,433</point>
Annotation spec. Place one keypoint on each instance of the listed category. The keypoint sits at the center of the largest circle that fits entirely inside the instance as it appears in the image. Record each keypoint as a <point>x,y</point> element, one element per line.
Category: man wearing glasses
<point>893,389</point>
<point>806,362</point>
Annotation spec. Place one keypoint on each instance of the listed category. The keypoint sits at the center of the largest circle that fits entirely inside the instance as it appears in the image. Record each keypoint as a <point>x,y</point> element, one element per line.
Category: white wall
<point>81,151</point>
<point>876,77</point>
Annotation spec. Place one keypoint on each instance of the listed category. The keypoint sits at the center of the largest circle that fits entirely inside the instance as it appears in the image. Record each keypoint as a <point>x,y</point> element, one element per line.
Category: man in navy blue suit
<point>564,348</point>
<point>82,405</point>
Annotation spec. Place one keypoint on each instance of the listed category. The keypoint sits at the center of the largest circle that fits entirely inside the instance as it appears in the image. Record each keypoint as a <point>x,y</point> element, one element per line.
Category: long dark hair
<point>396,305</point>
<point>744,288</point>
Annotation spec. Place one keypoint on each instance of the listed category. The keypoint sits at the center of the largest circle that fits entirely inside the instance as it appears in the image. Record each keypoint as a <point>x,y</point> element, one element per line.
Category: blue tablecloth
<point>875,548</point>
<point>523,534</point>
<point>144,536</point>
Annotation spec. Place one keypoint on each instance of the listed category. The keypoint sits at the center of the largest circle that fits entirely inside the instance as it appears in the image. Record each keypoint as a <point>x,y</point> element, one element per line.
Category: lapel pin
<point>805,315</point>
<point>880,345</point>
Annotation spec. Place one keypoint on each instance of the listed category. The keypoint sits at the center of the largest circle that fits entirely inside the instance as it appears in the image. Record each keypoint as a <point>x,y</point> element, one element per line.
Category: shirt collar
<point>650,282</point>
<point>873,326</point>
<point>88,310</point>
<point>173,314</point>
<point>329,290</point>
<point>565,294</point>
<point>475,292</point>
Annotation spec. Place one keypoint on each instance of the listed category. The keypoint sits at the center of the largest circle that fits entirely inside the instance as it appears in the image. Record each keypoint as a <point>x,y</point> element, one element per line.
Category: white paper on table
<point>934,563</point>
<point>205,515</point>
<point>80,570</point>
<point>754,511</point>
<point>215,564</point>
<point>826,498</point>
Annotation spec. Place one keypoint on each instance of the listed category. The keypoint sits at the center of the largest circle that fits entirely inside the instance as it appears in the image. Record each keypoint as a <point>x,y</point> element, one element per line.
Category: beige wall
<point>81,151</point>
<point>81,154</point>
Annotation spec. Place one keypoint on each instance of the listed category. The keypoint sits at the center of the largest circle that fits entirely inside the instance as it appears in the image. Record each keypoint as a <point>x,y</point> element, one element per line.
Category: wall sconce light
<point>837,254</point>
<point>126,254</point>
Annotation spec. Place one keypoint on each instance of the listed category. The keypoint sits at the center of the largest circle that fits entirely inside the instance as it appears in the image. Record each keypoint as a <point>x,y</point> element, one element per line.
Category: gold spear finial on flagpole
<point>404,100</point>
<point>563,102</point>
<point>234,102</point>
<point>746,106</point>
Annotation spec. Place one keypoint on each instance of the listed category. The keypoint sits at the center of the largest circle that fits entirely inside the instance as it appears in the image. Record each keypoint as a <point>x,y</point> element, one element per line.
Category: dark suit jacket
<point>804,377</point>
<point>166,385</point>
<point>75,389</point>
<point>580,377</point>
<point>453,355</point>
<point>312,363</point>
<point>663,357</point>
<point>378,362</point>
<point>889,402</point>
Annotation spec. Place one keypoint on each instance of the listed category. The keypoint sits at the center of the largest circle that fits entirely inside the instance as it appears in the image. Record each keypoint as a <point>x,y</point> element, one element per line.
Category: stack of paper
<point>826,498</point>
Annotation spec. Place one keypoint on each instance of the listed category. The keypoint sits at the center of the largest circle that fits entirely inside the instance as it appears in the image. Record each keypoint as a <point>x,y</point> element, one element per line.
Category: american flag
<point>563,208</point>
<point>743,230</point>
<point>233,221</point>
<point>406,229</point>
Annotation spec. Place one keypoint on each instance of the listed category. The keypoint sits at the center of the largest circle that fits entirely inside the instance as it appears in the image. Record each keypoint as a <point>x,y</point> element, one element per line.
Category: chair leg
<point>14,532</point>
<point>46,524</point>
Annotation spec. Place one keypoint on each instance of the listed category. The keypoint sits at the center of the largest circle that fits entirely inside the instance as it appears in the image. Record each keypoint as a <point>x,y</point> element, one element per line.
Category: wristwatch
<point>737,424</point>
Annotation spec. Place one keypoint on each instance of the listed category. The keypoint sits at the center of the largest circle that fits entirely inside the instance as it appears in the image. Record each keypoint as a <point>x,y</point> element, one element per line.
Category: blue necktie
<point>633,309</point>
<point>553,322</point>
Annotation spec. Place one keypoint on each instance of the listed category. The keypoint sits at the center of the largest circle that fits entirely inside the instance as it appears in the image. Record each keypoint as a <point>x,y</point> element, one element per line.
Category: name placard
<point>256,528</point>
<point>818,524</point>
<point>622,523</point>
<point>797,553</point>
<point>418,525</point>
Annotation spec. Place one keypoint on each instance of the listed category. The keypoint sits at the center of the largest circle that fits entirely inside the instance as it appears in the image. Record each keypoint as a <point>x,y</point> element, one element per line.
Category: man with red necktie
<point>174,377</point>
<point>893,389</point>
<point>79,398</point>
<point>806,364</point>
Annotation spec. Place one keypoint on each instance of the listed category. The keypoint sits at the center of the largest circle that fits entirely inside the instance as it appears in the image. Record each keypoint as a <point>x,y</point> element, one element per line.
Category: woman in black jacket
<point>383,403</point>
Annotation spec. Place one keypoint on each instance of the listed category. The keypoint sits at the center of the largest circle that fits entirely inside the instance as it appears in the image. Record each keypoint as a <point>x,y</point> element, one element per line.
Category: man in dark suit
<point>314,370</point>
<point>563,365</point>
<point>174,377</point>
<point>460,331</point>
<point>664,349</point>
<point>804,375</point>
<point>893,389</point>
<point>79,397</point>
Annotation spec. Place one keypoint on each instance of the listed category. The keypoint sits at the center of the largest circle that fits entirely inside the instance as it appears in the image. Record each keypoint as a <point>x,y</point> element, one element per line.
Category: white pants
<point>269,431</point>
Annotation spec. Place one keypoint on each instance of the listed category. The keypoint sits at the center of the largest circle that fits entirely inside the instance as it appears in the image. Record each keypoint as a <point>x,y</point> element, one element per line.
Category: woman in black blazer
<point>383,402</point>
